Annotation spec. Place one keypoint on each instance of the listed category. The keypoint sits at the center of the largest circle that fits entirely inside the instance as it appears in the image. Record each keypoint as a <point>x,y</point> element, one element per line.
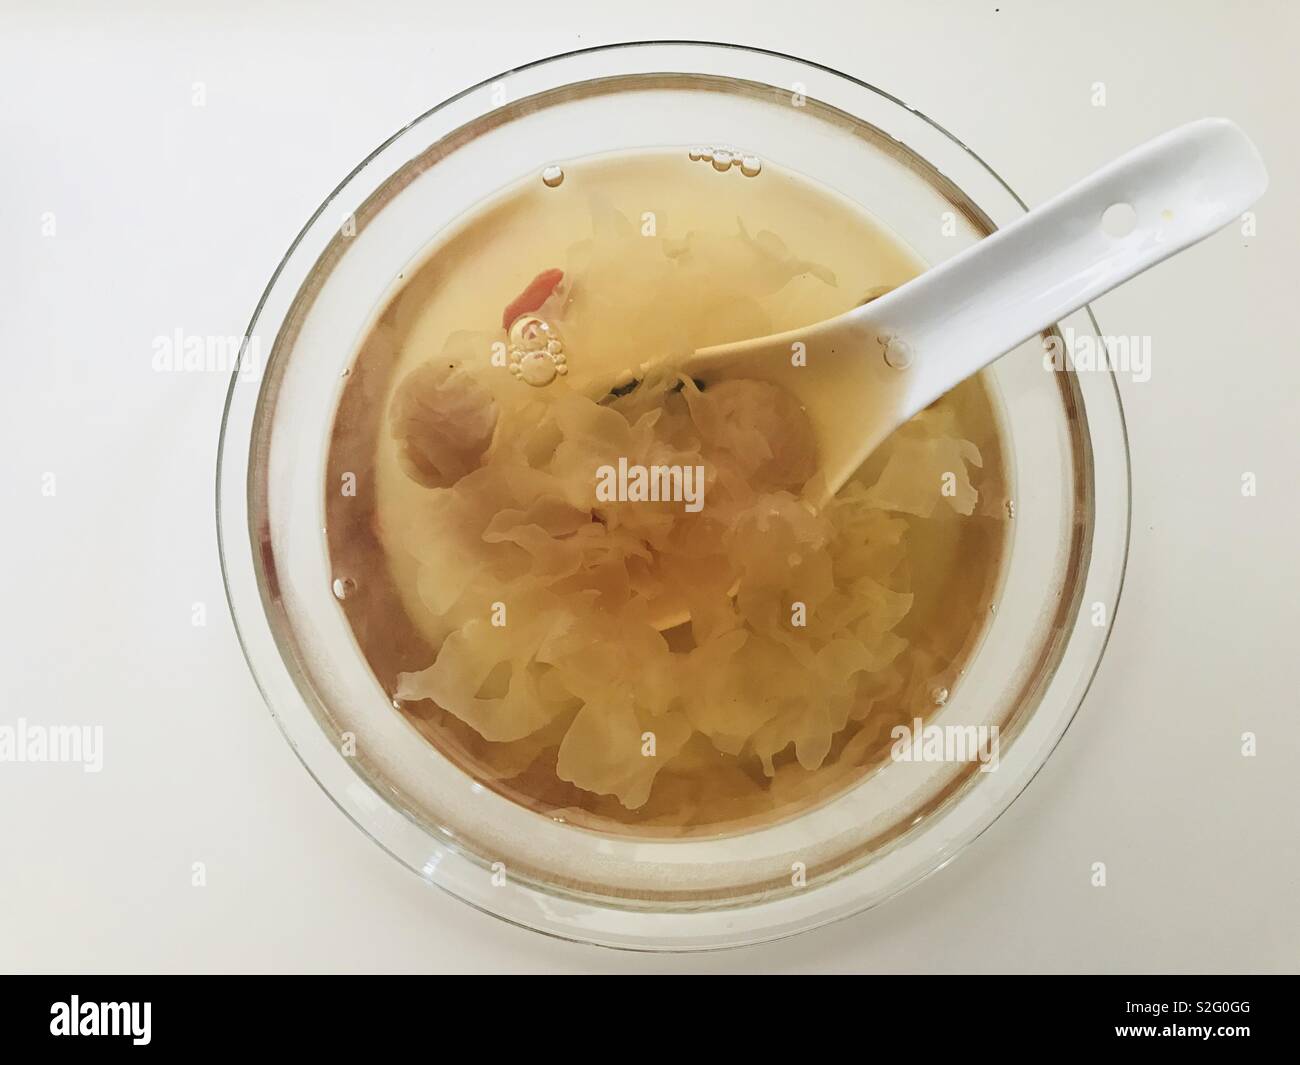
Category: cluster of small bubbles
<point>397,703</point>
<point>552,177</point>
<point>939,695</point>
<point>1011,509</point>
<point>536,352</point>
<point>725,156</point>
<point>344,587</point>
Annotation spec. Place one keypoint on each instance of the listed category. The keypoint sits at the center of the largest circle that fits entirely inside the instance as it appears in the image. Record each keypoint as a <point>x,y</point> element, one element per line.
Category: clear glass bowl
<point>1067,459</point>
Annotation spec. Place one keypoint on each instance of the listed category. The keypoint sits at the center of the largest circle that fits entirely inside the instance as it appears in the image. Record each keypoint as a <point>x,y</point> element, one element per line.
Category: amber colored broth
<point>463,282</point>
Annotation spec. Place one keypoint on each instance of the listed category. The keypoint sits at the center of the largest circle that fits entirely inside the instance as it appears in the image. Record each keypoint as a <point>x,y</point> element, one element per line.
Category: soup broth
<point>598,586</point>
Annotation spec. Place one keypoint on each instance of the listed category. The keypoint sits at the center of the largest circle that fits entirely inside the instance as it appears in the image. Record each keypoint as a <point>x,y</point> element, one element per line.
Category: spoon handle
<point>958,317</point>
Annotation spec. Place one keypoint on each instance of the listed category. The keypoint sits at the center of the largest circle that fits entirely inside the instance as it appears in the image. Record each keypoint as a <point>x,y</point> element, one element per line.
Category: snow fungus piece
<point>444,421</point>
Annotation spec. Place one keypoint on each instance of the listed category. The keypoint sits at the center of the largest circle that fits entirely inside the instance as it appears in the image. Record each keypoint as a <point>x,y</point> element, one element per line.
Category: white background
<point>170,216</point>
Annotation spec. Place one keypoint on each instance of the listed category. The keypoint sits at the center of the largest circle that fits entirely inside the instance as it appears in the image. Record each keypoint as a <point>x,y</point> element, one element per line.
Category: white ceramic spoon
<point>867,371</point>
<point>872,368</point>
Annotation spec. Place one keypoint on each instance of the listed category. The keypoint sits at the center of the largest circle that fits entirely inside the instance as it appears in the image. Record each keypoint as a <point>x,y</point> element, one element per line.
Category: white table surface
<point>170,216</point>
